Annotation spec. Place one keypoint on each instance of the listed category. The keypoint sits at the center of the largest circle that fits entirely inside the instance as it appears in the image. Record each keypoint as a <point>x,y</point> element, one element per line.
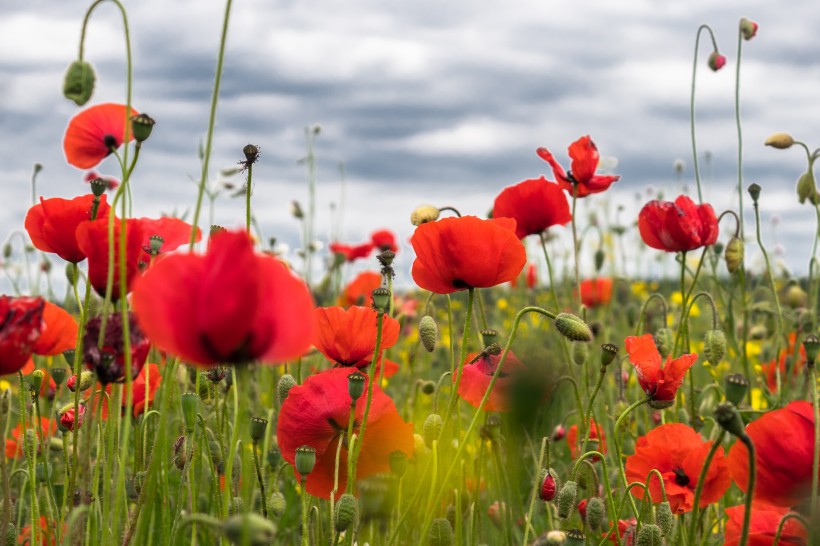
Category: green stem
<point>587,418</point>
<point>248,198</point>
<point>692,105</point>
<point>549,271</point>
<point>815,471</point>
<point>693,526</point>
<point>535,489</point>
<point>739,133</point>
<point>260,478</point>
<point>465,336</point>
<point>576,247</point>
<point>747,513</point>
<point>617,443</point>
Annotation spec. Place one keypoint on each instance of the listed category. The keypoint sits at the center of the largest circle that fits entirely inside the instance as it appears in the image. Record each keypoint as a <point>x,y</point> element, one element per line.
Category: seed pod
<point>277,504</point>
<point>428,332</point>
<point>596,512</point>
<point>714,346</point>
<point>735,250</point>
<point>576,537</point>
<point>736,386</point>
<point>305,460</point>
<point>432,429</point>
<point>665,518</point>
<point>347,508</point>
<point>566,499</point>
<point>440,533</point>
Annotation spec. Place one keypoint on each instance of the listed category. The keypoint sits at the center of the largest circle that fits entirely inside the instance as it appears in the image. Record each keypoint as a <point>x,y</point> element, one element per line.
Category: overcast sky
<point>423,102</point>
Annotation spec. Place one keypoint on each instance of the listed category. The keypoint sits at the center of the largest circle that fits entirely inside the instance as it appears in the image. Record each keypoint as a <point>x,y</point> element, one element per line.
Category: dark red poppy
<point>347,337</point>
<point>595,433</point>
<point>597,291</point>
<point>143,387</point>
<point>59,334</point>
<point>52,225</point>
<point>256,308</point>
<point>316,414</point>
<point>94,133</point>
<point>69,420</point>
<point>763,527</point>
<point>659,381</point>
<point>784,451</point>
<point>172,234</point>
<point>351,253</point>
<point>536,205</point>
<point>678,226</point>
<point>384,239</point>
<point>678,453</point>
<point>21,323</point>
<point>359,290</point>
<point>14,445</point>
<point>92,238</point>
<point>108,361</point>
<point>476,379</point>
<point>111,182</point>
<point>459,253</point>
<point>581,177</point>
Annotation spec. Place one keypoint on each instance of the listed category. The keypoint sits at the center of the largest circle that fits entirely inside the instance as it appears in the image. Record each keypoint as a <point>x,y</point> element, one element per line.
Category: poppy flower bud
<point>36,381</point>
<point>664,341</point>
<point>716,61</point>
<point>649,535</point>
<point>305,460</point>
<point>190,407</point>
<point>11,534</point>
<point>347,508</point>
<point>398,463</point>
<point>424,214</point>
<point>78,83</point>
<point>781,141</point>
<point>735,250</point>
<point>237,506</point>
<point>566,499</point>
<point>179,453</point>
<point>258,427</point>
<point>714,346</point>
<point>428,332</point>
<point>580,352</point>
<point>554,538</point>
<point>558,433</point>
<point>576,537</point>
<point>68,419</point>
<point>286,382</point>
<point>736,387</point>
<point>599,260</point>
<point>440,533</point>
<point>277,504</point>
<point>811,345</point>
<point>665,518</point>
<point>249,529</point>
<point>432,429</point>
<point>381,299</point>
<point>428,387</point>
<point>608,354</point>
<point>795,296</point>
<point>251,153</point>
<point>296,210</point>
<point>355,386</point>
<point>754,192</point>
<point>85,383</point>
<point>548,487</point>
<point>142,125</point>
<point>727,416</point>
<point>572,327</point>
<point>806,188</point>
<point>748,28</point>
<point>596,512</point>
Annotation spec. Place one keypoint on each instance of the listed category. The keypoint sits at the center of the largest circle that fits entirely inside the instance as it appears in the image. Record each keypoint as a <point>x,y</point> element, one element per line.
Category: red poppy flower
<point>581,177</point>
<point>359,290</point>
<point>21,323</point>
<point>678,226</point>
<point>256,308</point>
<point>69,420</point>
<point>595,433</point>
<point>384,239</point>
<point>476,378</point>
<point>678,453</point>
<point>797,364</point>
<point>173,232</point>
<point>659,381</point>
<point>92,238</point>
<point>784,451</point>
<point>14,445</point>
<point>459,253</point>
<point>347,337</point>
<point>316,413</point>
<point>47,533</point>
<point>108,362</point>
<point>530,277</point>
<point>763,527</point>
<point>144,387</point>
<point>59,334</point>
<point>626,530</point>
<point>597,291</point>
<point>351,252</point>
<point>535,205</point>
<point>52,225</point>
<point>93,133</point>
<point>110,180</point>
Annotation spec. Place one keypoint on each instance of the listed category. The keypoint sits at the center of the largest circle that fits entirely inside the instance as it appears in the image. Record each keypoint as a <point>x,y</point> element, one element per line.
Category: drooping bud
<point>381,299</point>
<point>440,533</point>
<point>735,250</point>
<point>85,383</point>
<point>812,346</point>
<point>305,460</point>
<point>277,504</point>
<point>428,387</point>
<point>428,332</point>
<point>596,512</point>
<point>548,488</point>
<point>781,141</point>
<point>714,346</point>
<point>649,535</point>
<point>36,380</point>
<point>664,340</point>
<point>286,382</point>
<point>716,61</point>
<point>754,192</point>
<point>807,189</point>
<point>795,296</point>
<point>258,428</point>
<point>566,499</point>
<point>432,429</point>
<point>347,508</point>
<point>190,408</point>
<point>727,416</point>
<point>249,529</point>
<point>572,327</point>
<point>142,124</point>
<point>599,260</point>
<point>580,352</point>
<point>424,214</point>
<point>558,433</point>
<point>748,28</point>
<point>608,354</point>
<point>78,83</point>
<point>665,518</point>
<point>68,419</point>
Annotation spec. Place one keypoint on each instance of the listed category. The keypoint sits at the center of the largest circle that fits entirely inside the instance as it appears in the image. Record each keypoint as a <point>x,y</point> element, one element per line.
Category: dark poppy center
<point>458,283</point>
<point>110,142</point>
<point>681,478</point>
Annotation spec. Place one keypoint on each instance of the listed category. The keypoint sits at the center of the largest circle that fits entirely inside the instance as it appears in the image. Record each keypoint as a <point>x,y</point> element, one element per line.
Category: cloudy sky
<point>423,102</point>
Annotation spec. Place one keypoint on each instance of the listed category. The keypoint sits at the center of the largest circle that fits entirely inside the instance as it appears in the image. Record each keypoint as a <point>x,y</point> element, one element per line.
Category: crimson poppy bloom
<point>763,527</point>
<point>316,413</point>
<point>351,253</point>
<point>359,290</point>
<point>143,387</point>
<point>535,204</point>
<point>581,178</point>
<point>14,445</point>
<point>109,361</point>
<point>256,308</point>
<point>384,239</point>
<point>476,379</point>
<point>347,337</point>
<point>595,433</point>
<point>173,233</point>
<point>784,451</point>
<point>678,226</point>
<point>92,238</point>
<point>93,133</point>
<point>52,225</point>
<point>459,253</point>
<point>678,453</point>
<point>21,323</point>
<point>597,291</point>
<point>659,381</point>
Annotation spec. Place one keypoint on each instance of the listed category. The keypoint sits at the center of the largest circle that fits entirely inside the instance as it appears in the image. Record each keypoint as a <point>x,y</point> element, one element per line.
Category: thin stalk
<point>815,470</point>
<point>692,105</point>
<point>535,489</point>
<point>747,513</point>
<point>693,526</point>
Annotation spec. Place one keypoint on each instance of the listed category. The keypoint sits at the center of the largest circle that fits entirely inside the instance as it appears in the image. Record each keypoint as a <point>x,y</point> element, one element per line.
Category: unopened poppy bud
<point>190,407</point>
<point>665,518</point>
<point>251,153</point>
<point>649,535</point>
<point>608,353</point>
<point>258,428</point>
<point>548,488</point>
<point>78,83</point>
<point>812,346</point>
<point>748,28</point>
<point>716,61</point>
<point>566,499</point>
<point>386,258</point>
<point>237,506</point>
<point>58,375</point>
<point>806,188</point>
<point>727,416</point>
<point>305,460</point>
<point>347,508</point>
<point>85,383</point>
<point>664,340</point>
<point>249,529</point>
<point>599,260</point>
<point>432,429</point>
<point>596,512</point>
<point>296,210</point>
<point>142,125</point>
<point>7,251</point>
<point>754,192</point>
<point>36,380</point>
<point>381,299</point>
<point>277,504</point>
<point>489,336</point>
<point>424,214</point>
<point>558,433</point>
<point>736,387</point>
<point>440,533</point>
<point>572,327</point>
<point>355,385</point>
<point>555,538</point>
<point>11,535</point>
<point>398,463</point>
<point>714,346</point>
<point>580,352</point>
<point>576,537</point>
<point>286,382</point>
<point>428,332</point>
<point>428,387</point>
<point>795,296</point>
<point>781,141</point>
<point>68,420</point>
<point>735,250</point>
<point>98,186</point>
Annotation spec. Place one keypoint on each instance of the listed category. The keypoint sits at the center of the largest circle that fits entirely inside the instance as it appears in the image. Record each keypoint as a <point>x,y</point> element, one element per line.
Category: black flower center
<point>681,478</point>
<point>110,142</point>
<point>458,283</point>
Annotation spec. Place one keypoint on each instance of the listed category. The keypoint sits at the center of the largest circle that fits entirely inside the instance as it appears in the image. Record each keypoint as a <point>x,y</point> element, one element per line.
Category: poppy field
<point>194,385</point>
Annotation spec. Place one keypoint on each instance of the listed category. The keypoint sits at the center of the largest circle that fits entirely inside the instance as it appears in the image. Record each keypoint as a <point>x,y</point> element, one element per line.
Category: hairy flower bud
<point>735,250</point>
<point>716,61</point>
<point>277,504</point>
<point>428,332</point>
<point>249,529</point>
<point>566,499</point>
<point>807,189</point>
<point>596,512</point>
<point>664,340</point>
<point>432,428</point>
<point>440,533</point>
<point>714,346</point>
<point>572,327</point>
<point>78,83</point>
<point>347,508</point>
<point>727,416</point>
<point>548,487</point>
<point>580,352</point>
<point>286,382</point>
<point>649,535</point>
<point>665,518</point>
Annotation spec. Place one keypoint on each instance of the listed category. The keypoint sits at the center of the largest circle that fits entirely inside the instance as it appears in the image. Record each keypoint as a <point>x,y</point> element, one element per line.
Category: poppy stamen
<point>681,478</point>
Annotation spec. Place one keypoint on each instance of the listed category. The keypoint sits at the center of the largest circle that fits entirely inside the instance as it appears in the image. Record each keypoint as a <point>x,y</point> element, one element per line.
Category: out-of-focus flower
<point>351,253</point>
<point>144,387</point>
<point>716,61</point>
<point>111,182</point>
<point>358,291</point>
<point>581,178</point>
<point>384,239</point>
<point>92,238</point>
<point>478,371</point>
<point>595,433</point>
<point>535,205</point>
<point>14,444</point>
<point>678,226</point>
<point>108,362</point>
<point>21,324</point>
<point>52,225</point>
<point>763,527</point>
<point>597,291</point>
